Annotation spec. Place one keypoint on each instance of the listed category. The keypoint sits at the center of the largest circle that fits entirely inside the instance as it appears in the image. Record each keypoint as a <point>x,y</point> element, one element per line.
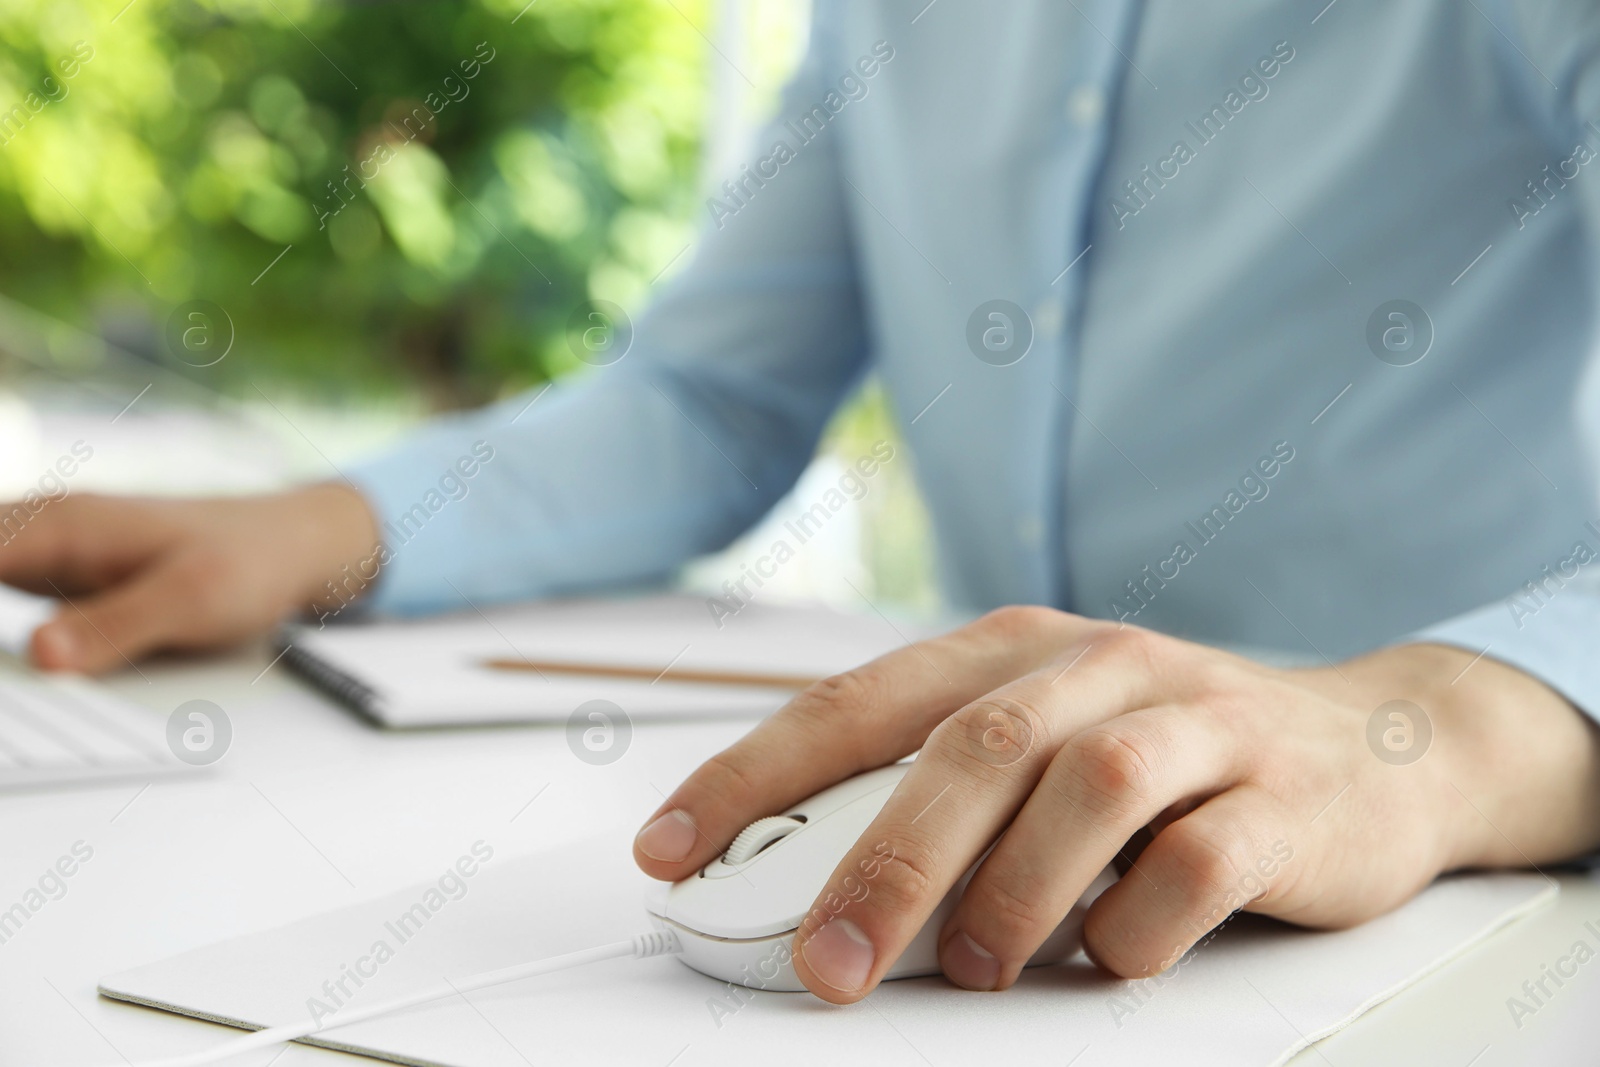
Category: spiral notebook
<point>664,655</point>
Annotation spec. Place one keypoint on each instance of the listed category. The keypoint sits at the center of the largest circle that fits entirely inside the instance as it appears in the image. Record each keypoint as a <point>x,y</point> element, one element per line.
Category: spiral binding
<point>330,679</point>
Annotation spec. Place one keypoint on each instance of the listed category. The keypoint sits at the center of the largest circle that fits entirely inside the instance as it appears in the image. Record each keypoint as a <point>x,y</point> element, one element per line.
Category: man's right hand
<point>146,574</point>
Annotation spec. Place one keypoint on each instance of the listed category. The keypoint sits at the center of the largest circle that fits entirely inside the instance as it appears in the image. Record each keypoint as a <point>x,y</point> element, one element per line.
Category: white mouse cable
<point>662,942</point>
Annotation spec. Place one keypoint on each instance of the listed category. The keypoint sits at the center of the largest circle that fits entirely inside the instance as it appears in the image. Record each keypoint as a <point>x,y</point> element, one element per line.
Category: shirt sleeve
<point>1550,628</point>
<point>623,472</point>
<point>1550,633</point>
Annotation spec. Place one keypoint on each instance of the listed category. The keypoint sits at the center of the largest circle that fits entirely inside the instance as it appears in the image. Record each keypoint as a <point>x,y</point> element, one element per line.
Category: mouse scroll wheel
<point>758,835</point>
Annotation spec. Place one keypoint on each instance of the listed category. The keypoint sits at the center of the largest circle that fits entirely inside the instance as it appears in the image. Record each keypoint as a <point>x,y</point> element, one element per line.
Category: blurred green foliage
<point>453,177</point>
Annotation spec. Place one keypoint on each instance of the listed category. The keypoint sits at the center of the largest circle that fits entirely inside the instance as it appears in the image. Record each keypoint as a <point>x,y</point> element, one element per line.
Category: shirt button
<point>1085,105</point>
<point>1047,319</point>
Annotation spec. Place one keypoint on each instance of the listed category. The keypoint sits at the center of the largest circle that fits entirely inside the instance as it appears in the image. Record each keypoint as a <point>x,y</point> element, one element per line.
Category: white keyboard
<point>63,730</point>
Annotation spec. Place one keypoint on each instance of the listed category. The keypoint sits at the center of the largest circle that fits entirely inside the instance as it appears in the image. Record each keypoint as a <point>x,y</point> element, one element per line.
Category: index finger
<point>77,542</point>
<point>852,722</point>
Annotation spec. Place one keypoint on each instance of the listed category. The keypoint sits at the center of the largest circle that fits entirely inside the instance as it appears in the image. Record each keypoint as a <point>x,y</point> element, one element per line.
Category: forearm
<point>671,451</point>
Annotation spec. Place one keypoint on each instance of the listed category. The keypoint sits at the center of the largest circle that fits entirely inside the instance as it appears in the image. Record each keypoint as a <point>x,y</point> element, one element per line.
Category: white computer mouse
<point>737,918</point>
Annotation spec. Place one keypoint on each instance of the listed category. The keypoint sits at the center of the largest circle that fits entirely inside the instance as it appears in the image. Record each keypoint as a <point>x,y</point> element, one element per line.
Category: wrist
<point>334,533</point>
<point>1511,776</point>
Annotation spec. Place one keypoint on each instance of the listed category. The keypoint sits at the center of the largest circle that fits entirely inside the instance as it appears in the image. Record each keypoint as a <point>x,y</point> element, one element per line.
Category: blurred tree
<point>356,184</point>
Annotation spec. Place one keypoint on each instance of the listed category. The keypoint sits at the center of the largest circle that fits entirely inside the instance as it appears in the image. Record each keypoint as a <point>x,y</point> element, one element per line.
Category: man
<point>1244,324</point>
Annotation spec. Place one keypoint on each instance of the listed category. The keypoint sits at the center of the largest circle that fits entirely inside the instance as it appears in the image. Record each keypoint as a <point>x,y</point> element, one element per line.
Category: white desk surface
<point>313,808</point>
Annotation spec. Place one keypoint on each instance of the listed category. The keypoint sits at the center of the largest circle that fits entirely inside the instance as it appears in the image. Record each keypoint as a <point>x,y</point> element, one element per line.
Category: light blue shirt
<point>1221,425</point>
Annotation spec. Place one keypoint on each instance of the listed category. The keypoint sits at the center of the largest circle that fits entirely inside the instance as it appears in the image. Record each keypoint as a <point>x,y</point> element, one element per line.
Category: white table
<point>313,808</point>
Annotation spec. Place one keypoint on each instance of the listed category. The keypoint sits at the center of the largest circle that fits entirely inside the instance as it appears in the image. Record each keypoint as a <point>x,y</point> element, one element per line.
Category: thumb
<point>114,628</point>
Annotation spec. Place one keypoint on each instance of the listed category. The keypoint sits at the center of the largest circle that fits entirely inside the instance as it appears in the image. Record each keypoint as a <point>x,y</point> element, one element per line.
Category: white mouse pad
<point>1255,994</point>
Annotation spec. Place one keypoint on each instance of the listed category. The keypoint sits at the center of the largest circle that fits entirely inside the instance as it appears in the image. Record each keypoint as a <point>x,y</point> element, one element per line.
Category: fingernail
<point>840,955</point>
<point>669,839</point>
<point>969,965</point>
<point>55,647</point>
